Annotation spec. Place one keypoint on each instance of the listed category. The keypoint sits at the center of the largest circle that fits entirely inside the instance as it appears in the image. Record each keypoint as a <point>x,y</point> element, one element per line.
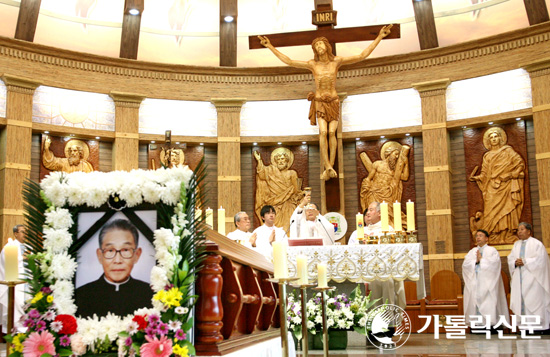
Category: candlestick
<point>384,218</point>
<point>410,216</point>
<point>221,221</point>
<point>209,217</point>
<point>301,269</point>
<point>11,254</point>
<point>360,226</point>
<point>279,260</point>
<point>397,225</point>
<point>321,275</point>
<point>282,309</point>
<point>324,314</point>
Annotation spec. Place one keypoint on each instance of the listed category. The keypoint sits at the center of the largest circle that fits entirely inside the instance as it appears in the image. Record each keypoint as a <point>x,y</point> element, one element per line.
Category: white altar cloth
<point>364,263</point>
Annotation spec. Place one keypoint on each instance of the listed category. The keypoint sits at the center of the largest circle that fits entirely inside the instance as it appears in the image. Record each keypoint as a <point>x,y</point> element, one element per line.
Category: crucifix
<point>325,103</point>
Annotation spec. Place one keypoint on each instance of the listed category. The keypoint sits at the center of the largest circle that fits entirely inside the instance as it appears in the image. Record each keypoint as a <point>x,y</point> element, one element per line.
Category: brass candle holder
<point>400,237</point>
<point>386,238</point>
<point>412,237</point>
<point>324,314</point>
<point>303,298</point>
<point>11,306</point>
<point>283,282</point>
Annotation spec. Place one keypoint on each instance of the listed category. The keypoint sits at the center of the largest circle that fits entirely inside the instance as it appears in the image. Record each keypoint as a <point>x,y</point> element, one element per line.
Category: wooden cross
<point>325,20</point>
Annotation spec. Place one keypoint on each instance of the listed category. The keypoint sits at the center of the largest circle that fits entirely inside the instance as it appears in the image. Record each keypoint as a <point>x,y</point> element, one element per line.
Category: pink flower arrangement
<point>39,343</point>
<point>155,347</point>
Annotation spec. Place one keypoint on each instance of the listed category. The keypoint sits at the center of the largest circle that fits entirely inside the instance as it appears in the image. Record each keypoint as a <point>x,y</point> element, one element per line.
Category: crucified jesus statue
<point>325,104</point>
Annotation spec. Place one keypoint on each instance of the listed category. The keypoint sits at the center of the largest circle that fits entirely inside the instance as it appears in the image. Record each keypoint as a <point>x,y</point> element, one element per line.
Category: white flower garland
<point>94,189</point>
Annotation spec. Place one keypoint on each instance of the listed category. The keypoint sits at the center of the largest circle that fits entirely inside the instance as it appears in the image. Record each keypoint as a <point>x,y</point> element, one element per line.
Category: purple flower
<point>180,335</point>
<point>40,325</point>
<point>128,342</point>
<point>162,328</point>
<point>65,341</point>
<point>153,319</point>
<point>289,318</point>
<point>28,323</point>
<point>46,290</point>
<point>168,287</point>
<point>34,314</point>
<point>49,315</point>
<point>337,305</point>
<point>150,330</point>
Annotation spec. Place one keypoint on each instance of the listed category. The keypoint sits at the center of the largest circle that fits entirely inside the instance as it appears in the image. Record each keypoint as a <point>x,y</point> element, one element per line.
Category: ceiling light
<point>177,142</point>
<point>228,18</point>
<point>97,138</point>
<point>382,136</point>
<point>279,143</point>
<point>46,132</point>
<point>201,144</point>
<point>518,118</point>
<point>464,127</point>
<point>254,144</point>
<point>490,123</point>
<point>134,12</point>
<point>407,134</point>
<point>152,141</point>
<point>357,139</point>
<point>303,142</point>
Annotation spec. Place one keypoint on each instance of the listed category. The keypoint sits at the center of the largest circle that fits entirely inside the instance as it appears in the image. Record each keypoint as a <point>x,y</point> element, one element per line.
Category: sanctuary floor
<point>473,345</point>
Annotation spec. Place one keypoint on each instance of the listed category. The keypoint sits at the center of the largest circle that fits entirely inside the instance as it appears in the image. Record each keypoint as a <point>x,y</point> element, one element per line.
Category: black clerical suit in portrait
<point>100,297</point>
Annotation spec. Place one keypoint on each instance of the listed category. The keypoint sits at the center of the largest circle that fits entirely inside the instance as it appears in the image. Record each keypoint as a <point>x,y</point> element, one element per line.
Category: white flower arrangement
<point>135,187</point>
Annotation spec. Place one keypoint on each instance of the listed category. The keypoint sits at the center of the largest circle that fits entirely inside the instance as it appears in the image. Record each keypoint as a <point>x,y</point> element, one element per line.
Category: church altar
<point>364,263</point>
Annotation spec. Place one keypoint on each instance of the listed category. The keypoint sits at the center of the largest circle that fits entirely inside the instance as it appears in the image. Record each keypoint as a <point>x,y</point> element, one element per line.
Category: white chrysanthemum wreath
<point>52,266</point>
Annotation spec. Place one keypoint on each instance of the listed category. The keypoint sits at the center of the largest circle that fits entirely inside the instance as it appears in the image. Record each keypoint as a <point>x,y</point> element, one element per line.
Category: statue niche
<point>384,179</point>
<point>501,183</point>
<point>68,155</point>
<point>278,184</point>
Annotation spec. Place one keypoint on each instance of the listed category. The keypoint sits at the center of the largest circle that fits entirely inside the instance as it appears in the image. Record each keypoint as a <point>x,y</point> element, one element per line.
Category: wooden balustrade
<point>236,306</point>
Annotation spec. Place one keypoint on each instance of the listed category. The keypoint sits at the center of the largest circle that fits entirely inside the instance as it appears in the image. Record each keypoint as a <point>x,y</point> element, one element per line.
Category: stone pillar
<point>15,151</point>
<point>126,145</point>
<point>229,157</point>
<point>540,86</point>
<point>437,174</point>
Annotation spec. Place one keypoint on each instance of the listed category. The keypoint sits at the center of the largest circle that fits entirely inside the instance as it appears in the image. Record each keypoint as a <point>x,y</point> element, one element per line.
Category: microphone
<point>319,220</point>
<point>288,232</point>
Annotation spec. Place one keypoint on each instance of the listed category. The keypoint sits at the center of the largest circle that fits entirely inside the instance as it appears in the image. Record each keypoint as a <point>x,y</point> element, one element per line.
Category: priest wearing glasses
<point>115,291</point>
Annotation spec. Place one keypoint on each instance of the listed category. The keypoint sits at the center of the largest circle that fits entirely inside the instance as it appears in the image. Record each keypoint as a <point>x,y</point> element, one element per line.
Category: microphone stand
<point>319,220</point>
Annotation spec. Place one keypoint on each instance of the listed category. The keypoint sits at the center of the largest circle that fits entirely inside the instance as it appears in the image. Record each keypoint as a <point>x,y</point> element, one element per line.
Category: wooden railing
<point>236,306</point>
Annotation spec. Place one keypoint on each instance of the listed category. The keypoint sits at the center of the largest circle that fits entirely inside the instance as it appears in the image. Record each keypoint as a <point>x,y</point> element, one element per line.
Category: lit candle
<point>410,216</point>
<point>279,260</point>
<point>360,226</point>
<point>384,216</point>
<point>11,254</point>
<point>221,221</point>
<point>321,275</point>
<point>397,217</point>
<point>301,269</point>
<point>209,217</point>
<point>198,214</point>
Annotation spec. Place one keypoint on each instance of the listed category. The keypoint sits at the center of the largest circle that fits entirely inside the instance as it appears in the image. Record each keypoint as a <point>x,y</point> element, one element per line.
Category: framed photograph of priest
<point>114,268</point>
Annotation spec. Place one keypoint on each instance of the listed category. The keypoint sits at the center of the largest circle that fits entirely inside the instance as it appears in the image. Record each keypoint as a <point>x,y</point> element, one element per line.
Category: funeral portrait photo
<point>114,262</point>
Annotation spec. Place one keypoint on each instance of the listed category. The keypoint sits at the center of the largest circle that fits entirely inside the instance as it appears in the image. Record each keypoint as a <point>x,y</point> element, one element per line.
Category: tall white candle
<point>198,214</point>
<point>209,217</point>
<point>221,221</point>
<point>410,216</point>
<point>360,226</point>
<point>11,254</point>
<point>279,260</point>
<point>397,225</point>
<point>321,275</point>
<point>301,269</point>
<point>384,217</point>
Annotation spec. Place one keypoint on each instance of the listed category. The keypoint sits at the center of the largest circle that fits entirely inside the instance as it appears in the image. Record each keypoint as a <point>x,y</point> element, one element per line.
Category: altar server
<point>19,235</point>
<point>307,222</point>
<point>268,233</point>
<point>241,234</point>
<point>483,288</point>
<point>530,269</point>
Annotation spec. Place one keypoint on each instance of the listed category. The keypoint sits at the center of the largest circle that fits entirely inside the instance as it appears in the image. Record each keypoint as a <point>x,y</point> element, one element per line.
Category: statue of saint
<point>501,184</point>
<point>172,157</point>
<point>325,104</point>
<point>277,185</point>
<point>76,154</point>
<point>384,182</point>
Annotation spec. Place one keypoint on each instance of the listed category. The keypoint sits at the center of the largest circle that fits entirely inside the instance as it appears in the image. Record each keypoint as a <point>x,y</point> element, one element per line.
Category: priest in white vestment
<point>530,269</point>
<point>483,288</point>
<point>391,291</point>
<point>241,235</point>
<point>307,222</point>
<point>19,235</point>
<point>267,233</point>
